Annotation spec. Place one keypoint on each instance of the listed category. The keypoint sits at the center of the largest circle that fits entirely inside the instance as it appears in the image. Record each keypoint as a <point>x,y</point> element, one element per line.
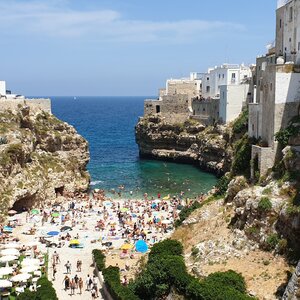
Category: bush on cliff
<point>222,185</point>
<point>99,259</point>
<point>185,213</point>
<point>240,124</point>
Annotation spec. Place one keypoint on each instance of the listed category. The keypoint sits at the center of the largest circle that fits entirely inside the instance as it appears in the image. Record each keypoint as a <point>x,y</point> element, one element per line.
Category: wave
<point>96,182</point>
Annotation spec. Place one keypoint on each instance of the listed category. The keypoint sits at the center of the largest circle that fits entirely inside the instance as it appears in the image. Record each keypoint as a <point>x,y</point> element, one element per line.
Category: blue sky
<point>125,47</point>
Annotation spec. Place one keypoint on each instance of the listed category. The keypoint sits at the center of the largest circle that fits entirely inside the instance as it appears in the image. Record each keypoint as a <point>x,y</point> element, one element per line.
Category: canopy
<point>29,269</point>
<point>126,247</point>
<point>20,277</point>
<point>10,251</point>
<point>74,242</point>
<point>8,258</point>
<point>6,271</point>
<point>5,283</point>
<point>12,245</point>
<point>53,233</point>
<point>141,246</point>
<point>35,211</point>
<point>30,262</point>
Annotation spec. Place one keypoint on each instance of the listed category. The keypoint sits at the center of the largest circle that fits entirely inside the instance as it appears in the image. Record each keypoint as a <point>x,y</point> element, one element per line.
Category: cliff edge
<point>41,158</point>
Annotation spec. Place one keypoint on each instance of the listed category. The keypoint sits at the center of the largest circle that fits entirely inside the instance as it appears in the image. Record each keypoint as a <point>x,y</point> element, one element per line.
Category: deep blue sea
<point>108,125</point>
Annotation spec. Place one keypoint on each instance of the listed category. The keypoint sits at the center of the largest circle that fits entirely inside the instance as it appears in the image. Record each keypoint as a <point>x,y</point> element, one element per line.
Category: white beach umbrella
<point>10,251</point>
<point>5,283</point>
<point>20,277</point>
<point>29,269</point>
<point>166,222</point>
<point>8,258</point>
<point>30,262</point>
<point>12,245</point>
<point>6,271</point>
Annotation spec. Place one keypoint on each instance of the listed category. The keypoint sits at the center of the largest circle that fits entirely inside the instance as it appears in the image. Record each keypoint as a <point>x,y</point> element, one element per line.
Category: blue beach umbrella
<point>53,233</point>
<point>141,246</point>
<point>7,229</point>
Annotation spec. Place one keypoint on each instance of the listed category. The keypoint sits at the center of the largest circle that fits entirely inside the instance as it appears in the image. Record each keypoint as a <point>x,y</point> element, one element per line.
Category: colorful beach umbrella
<point>55,214</point>
<point>7,229</point>
<point>124,209</point>
<point>126,247</point>
<point>141,246</point>
<point>35,211</point>
<point>74,242</point>
<point>53,233</point>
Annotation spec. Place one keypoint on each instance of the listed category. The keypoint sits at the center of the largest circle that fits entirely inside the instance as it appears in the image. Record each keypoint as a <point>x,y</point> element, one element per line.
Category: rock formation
<point>190,142</point>
<point>41,158</point>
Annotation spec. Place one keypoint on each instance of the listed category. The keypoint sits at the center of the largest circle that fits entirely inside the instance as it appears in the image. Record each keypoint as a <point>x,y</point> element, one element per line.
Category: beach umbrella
<point>5,283</point>
<point>167,197</point>
<point>8,258</point>
<point>6,271</point>
<point>20,277</point>
<point>55,214</point>
<point>124,209</point>
<point>12,212</point>
<point>12,245</point>
<point>7,229</point>
<point>29,269</point>
<point>30,262</point>
<point>35,212</point>
<point>141,246</point>
<point>12,218</point>
<point>166,222</point>
<point>53,233</point>
<point>126,247</point>
<point>66,228</point>
<point>74,242</point>
<point>10,251</point>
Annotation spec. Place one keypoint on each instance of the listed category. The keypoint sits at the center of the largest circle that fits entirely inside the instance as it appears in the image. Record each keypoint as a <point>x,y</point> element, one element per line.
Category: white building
<point>226,74</point>
<point>4,93</point>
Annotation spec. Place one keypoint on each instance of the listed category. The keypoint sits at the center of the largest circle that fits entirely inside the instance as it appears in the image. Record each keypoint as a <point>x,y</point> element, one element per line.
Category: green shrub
<point>272,241</point>
<point>165,248</point>
<point>27,295</point>
<point>195,251</point>
<point>99,258</point>
<point>46,290</point>
<point>222,185</point>
<point>118,291</point>
<point>264,204</point>
<point>240,125</point>
<point>185,213</point>
<point>241,164</point>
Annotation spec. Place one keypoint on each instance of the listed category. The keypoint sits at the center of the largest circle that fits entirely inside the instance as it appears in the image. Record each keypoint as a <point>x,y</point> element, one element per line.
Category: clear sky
<point>125,47</point>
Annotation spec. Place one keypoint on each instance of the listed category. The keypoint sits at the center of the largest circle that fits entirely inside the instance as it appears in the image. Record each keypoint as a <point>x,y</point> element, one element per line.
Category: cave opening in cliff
<point>24,203</point>
<point>59,191</point>
<point>157,109</point>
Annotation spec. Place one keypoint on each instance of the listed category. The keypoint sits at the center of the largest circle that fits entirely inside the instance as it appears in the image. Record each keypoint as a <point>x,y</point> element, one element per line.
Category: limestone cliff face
<point>40,158</point>
<point>208,147</point>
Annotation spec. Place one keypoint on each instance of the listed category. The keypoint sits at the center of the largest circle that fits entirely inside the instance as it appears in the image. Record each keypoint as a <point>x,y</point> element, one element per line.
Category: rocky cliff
<point>210,148</point>
<point>41,158</point>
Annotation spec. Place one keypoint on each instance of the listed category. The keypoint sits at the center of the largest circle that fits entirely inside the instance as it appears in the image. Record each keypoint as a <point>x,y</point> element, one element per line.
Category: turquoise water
<point>108,125</point>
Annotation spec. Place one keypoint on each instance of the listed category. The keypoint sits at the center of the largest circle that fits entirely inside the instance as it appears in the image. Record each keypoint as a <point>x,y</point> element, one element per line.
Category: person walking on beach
<point>79,264</point>
<point>72,286</point>
<point>68,267</point>
<point>54,272</point>
<point>76,281</point>
<point>89,283</point>
<point>95,285</point>
<point>80,284</point>
<point>66,281</point>
<point>93,292</point>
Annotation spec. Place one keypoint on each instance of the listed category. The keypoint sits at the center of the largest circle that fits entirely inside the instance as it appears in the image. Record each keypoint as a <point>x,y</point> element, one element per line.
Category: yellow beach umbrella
<point>167,197</point>
<point>126,247</point>
<point>74,242</point>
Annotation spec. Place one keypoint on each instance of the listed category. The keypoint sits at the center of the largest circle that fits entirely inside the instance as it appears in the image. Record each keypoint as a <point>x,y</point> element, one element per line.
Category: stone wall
<point>182,87</point>
<point>34,104</point>
<point>206,110</point>
<point>254,123</point>
<point>266,158</point>
<point>150,106</point>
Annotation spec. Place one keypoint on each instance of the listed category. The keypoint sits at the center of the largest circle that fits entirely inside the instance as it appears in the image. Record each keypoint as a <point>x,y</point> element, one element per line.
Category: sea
<point>108,123</point>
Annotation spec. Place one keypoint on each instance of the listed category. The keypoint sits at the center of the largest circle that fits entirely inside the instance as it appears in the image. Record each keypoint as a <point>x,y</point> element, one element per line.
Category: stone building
<point>174,102</point>
<point>206,110</point>
<point>278,86</point>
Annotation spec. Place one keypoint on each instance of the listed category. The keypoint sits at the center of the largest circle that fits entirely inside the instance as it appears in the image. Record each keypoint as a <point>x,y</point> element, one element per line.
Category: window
<point>208,89</point>
<point>223,76</point>
<point>233,75</point>
<point>271,86</point>
<point>219,76</point>
<point>291,14</point>
<point>298,46</point>
<point>207,78</point>
<point>203,109</point>
<point>290,39</point>
<point>280,23</point>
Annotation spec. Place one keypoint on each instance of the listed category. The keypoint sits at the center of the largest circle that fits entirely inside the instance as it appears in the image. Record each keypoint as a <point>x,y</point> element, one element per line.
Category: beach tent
<point>141,246</point>
<point>5,283</point>
<point>6,271</point>
<point>8,258</point>
<point>20,277</point>
<point>11,251</point>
